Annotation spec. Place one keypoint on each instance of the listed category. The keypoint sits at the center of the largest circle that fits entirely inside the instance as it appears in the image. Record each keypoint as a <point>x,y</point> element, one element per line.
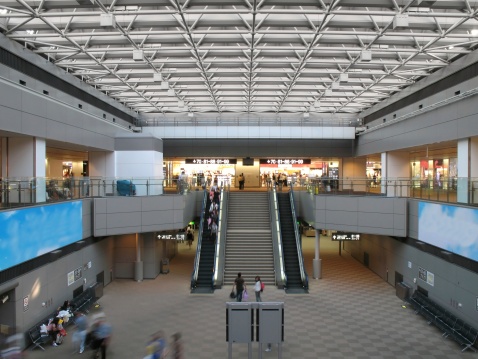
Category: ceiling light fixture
<point>138,55</point>
<point>366,55</point>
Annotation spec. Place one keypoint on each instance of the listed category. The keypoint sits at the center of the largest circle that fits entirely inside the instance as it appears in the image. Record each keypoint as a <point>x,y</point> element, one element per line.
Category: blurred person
<point>177,347</point>
<point>79,337</point>
<point>156,347</point>
<point>11,348</point>
<point>101,336</point>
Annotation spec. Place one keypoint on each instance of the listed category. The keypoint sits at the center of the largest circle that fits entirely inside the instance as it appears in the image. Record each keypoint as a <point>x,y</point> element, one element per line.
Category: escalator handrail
<point>194,276</point>
<point>220,237</point>
<point>303,274</point>
<point>280,245</point>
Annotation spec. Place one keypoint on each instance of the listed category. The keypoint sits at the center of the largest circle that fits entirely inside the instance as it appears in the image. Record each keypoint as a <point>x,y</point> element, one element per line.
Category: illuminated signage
<point>284,161</point>
<point>172,237</point>
<point>343,236</point>
<point>211,161</point>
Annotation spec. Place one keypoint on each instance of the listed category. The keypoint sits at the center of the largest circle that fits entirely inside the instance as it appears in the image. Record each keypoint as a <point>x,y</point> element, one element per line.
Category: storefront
<point>200,171</point>
<point>204,171</point>
<point>374,172</point>
<point>434,173</point>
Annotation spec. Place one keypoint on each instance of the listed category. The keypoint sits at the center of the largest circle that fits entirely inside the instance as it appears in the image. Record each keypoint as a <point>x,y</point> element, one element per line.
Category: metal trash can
<point>402,291</point>
<point>165,266</point>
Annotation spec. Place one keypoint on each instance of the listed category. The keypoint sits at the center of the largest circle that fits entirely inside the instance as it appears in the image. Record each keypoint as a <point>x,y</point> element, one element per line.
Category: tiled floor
<point>349,313</point>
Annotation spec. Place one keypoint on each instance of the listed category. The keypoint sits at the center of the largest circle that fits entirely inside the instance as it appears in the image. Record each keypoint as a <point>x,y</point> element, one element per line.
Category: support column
<point>141,157</point>
<point>317,262</point>
<point>463,166</point>
<point>23,158</point>
<point>354,174</point>
<point>138,264</point>
<point>467,163</point>
<point>395,174</point>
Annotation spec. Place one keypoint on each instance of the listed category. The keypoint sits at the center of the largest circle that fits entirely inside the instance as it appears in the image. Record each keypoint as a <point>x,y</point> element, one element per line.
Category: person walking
<point>241,181</point>
<point>258,288</point>
<point>240,286</point>
<point>102,335</point>
<point>177,347</point>
<point>79,336</point>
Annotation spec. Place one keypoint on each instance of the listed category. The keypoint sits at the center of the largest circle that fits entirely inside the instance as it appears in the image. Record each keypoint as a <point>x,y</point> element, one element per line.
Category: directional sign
<point>173,237</point>
<point>345,236</point>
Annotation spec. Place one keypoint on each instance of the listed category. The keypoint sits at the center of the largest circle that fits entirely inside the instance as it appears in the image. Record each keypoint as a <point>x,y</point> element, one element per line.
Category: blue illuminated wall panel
<point>30,232</point>
<point>452,228</point>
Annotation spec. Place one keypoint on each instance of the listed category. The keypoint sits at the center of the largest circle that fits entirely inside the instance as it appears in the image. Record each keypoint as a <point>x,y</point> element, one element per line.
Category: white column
<point>395,174</point>
<point>138,264</point>
<point>145,168</point>
<point>467,163</point>
<point>101,168</point>
<point>463,153</point>
<point>101,164</point>
<point>354,174</point>
<point>317,262</point>
<point>40,169</point>
<point>24,163</point>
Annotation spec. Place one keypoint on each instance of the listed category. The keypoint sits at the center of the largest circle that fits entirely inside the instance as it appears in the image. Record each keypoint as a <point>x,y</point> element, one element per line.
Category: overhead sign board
<point>211,161</point>
<point>345,236</point>
<point>284,161</point>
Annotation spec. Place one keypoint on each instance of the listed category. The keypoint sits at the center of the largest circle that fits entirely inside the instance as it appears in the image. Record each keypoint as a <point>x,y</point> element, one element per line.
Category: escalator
<point>202,278</point>
<point>293,265</point>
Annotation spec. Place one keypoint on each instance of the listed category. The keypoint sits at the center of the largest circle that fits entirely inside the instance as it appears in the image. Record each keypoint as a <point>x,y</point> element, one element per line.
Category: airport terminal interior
<point>152,150</point>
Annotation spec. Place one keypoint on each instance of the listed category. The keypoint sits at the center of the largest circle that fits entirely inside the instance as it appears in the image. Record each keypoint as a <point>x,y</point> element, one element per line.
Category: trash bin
<point>165,266</point>
<point>402,291</point>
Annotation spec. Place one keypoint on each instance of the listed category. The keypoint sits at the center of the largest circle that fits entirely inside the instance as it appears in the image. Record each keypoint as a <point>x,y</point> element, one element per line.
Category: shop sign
<point>211,161</point>
<point>284,161</point>
<point>345,236</point>
<point>25,303</point>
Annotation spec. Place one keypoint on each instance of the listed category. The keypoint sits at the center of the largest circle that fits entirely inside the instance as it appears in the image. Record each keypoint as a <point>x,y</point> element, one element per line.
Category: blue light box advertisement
<point>30,232</point>
<point>452,228</point>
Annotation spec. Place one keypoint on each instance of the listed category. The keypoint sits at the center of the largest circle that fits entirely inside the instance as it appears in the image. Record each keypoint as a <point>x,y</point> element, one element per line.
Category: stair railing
<point>194,276</point>
<point>303,274</point>
<point>220,252</point>
<point>280,277</point>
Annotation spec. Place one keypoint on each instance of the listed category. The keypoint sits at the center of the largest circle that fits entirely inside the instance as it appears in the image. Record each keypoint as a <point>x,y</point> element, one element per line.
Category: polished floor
<point>349,313</point>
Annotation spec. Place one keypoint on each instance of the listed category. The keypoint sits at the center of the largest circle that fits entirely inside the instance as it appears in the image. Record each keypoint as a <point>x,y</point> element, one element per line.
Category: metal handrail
<point>303,274</point>
<point>220,238</point>
<point>283,275</point>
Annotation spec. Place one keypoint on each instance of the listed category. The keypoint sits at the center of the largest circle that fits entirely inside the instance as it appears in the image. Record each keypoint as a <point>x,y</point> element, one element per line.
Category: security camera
<point>4,298</point>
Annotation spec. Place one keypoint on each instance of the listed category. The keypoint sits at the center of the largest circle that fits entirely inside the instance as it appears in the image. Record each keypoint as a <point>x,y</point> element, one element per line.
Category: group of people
<point>55,326</point>
<point>96,335</point>
<point>157,347</point>
<point>212,213</point>
<point>239,289</point>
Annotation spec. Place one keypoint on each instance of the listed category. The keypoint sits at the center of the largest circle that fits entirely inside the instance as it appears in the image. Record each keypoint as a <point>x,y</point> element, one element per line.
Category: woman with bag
<point>258,289</point>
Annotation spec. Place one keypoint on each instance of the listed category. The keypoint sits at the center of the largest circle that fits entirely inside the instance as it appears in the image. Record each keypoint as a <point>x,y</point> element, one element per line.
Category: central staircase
<point>249,239</point>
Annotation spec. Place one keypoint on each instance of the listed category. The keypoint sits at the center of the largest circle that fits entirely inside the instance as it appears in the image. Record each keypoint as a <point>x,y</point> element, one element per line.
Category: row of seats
<point>451,326</point>
<point>81,303</point>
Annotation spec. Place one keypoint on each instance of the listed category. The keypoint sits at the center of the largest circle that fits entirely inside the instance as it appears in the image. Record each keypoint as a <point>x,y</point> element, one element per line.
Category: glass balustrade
<point>16,192</point>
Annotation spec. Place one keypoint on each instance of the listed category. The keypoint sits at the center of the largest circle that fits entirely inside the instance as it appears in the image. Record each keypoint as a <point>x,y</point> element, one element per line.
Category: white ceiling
<point>246,57</point>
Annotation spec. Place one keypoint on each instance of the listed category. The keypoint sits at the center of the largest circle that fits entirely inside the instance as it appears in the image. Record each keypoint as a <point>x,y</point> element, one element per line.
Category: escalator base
<point>200,290</point>
<point>296,291</point>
